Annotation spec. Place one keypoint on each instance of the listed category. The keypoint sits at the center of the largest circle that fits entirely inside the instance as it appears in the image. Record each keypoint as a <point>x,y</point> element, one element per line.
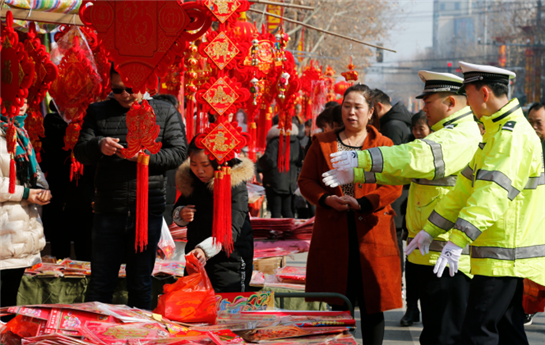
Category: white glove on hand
<point>344,160</point>
<point>422,240</point>
<point>451,256</point>
<point>335,177</point>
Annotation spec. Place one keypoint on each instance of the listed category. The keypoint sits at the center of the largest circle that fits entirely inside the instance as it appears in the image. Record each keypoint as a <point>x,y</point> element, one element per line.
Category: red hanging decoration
<point>163,29</point>
<point>351,74</point>
<point>46,73</point>
<point>143,132</point>
<point>18,73</point>
<point>73,90</point>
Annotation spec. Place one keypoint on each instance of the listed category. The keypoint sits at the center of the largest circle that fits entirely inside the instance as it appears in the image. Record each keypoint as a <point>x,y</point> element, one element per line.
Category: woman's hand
<point>200,255</point>
<point>39,196</point>
<point>337,203</point>
<point>188,213</point>
<point>351,202</point>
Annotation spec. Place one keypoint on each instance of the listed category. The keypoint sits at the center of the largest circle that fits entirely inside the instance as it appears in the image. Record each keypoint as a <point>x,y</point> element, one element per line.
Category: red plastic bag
<point>533,298</point>
<point>191,298</point>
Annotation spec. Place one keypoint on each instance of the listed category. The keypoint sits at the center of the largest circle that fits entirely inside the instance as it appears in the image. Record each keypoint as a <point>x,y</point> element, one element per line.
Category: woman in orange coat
<point>354,247</point>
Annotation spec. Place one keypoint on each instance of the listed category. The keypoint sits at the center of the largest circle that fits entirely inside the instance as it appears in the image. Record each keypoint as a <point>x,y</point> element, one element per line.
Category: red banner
<point>273,22</point>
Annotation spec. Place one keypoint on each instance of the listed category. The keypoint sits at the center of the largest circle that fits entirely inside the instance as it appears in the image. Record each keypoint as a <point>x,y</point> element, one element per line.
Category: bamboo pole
<point>301,7</point>
<point>44,17</point>
<point>322,30</point>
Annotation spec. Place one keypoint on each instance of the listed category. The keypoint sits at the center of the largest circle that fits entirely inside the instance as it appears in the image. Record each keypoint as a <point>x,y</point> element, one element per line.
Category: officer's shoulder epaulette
<point>509,126</point>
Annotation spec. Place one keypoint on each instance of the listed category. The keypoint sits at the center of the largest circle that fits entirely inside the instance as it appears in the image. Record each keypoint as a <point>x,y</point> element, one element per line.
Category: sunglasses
<point>119,90</point>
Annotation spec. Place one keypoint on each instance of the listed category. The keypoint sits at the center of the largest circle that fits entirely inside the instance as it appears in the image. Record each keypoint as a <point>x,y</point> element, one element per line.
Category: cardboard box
<point>268,265</point>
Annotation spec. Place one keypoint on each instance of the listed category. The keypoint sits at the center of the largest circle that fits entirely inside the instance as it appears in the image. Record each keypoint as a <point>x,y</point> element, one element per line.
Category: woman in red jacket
<point>354,247</point>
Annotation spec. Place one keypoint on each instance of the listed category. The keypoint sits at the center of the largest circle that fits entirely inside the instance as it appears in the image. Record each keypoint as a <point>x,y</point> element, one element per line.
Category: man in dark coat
<point>395,121</point>
<point>103,135</point>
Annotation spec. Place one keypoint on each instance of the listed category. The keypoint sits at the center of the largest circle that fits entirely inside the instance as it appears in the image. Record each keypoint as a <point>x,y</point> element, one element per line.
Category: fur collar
<point>274,132</point>
<point>240,173</point>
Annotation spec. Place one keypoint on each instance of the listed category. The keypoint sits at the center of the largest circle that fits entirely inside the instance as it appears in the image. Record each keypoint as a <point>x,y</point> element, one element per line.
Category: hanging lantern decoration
<point>311,73</point>
<point>288,87</point>
<point>167,26</point>
<point>351,74</point>
<point>73,91</point>
<point>191,74</point>
<point>17,77</point>
<point>222,96</point>
<point>46,73</point>
<point>330,82</point>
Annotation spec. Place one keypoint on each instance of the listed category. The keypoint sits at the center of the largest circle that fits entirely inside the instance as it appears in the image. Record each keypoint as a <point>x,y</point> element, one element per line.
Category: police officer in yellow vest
<point>431,166</point>
<point>498,207</point>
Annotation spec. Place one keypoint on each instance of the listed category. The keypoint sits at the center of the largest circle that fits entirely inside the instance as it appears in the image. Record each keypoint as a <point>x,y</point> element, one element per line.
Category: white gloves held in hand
<point>422,240</point>
<point>344,160</point>
<point>450,255</point>
<point>334,178</point>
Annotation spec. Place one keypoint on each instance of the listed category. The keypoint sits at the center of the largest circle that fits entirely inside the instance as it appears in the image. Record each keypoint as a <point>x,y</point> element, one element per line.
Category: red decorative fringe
<point>251,145</point>
<point>76,168</point>
<point>142,193</point>
<point>227,241</point>
<point>280,162</point>
<point>221,228</point>
<point>12,175</point>
<point>287,153</point>
<point>189,119</point>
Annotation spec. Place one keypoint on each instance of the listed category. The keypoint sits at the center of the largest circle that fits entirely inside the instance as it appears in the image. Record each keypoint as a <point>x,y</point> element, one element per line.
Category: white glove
<point>422,240</point>
<point>450,255</point>
<point>335,177</point>
<point>344,160</point>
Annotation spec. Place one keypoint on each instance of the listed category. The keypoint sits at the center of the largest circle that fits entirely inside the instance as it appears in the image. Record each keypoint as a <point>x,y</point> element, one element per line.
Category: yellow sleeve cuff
<point>364,160</point>
<point>433,230</point>
<point>459,238</point>
<point>359,175</point>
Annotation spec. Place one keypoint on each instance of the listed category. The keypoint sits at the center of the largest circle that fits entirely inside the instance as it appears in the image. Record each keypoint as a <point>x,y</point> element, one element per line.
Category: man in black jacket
<point>395,121</point>
<point>103,134</point>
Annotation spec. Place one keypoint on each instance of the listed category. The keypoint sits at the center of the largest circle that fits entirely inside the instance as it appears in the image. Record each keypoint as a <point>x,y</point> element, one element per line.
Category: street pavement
<point>396,335</point>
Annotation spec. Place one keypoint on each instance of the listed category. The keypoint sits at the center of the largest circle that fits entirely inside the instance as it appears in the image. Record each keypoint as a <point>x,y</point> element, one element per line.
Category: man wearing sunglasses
<point>103,135</point>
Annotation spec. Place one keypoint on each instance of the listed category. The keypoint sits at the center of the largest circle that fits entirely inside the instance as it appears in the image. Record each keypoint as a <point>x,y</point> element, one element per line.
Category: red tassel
<point>287,153</point>
<point>189,120</point>
<point>280,162</point>
<point>251,144</point>
<point>228,234</point>
<point>142,193</point>
<point>12,175</point>
<point>217,223</point>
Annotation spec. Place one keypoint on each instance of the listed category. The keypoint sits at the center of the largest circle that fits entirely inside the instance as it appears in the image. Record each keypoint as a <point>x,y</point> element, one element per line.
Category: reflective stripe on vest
<point>467,228</point>
<point>501,180</point>
<point>377,162</point>
<point>468,173</point>
<point>508,253</point>
<point>440,221</point>
<point>437,158</point>
<point>534,182</point>
<point>449,181</point>
<point>437,246</point>
<point>369,177</point>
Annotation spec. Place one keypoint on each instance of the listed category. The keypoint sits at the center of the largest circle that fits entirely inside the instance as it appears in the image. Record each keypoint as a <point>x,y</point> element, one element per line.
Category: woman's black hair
<point>419,117</point>
<point>364,90</point>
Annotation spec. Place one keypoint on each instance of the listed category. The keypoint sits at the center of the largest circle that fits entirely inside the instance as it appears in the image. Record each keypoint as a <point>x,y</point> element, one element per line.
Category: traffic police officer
<point>431,166</point>
<point>497,206</point>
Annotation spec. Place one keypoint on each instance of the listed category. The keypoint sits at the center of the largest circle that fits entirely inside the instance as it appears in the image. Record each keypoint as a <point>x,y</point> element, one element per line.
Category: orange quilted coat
<point>327,265</point>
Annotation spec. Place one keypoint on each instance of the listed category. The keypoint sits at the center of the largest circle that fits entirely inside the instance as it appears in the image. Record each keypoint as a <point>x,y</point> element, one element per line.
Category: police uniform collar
<point>461,115</point>
<point>501,115</point>
<point>439,82</point>
<point>484,73</point>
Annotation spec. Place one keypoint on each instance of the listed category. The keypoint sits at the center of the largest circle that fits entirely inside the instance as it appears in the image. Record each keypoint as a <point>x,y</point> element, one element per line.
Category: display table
<point>34,290</point>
